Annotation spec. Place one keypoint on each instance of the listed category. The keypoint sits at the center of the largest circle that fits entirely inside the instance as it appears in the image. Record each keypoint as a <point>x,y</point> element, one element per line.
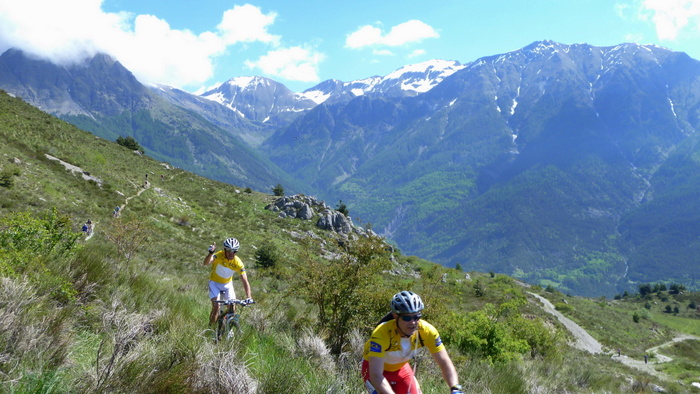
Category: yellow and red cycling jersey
<point>387,342</point>
<point>222,269</point>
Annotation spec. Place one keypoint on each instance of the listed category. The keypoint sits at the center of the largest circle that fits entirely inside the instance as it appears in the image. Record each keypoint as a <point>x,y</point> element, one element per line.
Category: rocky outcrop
<point>335,221</point>
<point>304,207</point>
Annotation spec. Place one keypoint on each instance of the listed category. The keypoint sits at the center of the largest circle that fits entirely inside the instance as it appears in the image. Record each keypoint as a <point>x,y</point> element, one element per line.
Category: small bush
<point>129,142</point>
<point>267,256</point>
<point>563,307</point>
<point>342,208</point>
<point>278,190</point>
<point>7,175</point>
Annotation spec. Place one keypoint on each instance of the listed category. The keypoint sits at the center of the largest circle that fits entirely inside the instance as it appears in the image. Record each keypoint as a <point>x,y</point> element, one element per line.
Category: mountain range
<point>570,165</point>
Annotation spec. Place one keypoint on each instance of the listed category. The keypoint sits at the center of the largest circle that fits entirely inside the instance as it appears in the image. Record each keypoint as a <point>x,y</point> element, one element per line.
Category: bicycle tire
<point>231,326</point>
<point>220,329</point>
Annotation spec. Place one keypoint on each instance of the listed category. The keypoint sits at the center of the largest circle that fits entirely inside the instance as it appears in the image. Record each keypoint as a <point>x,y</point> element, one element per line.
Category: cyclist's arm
<point>246,285</point>
<point>376,376</point>
<point>449,373</point>
<point>208,259</point>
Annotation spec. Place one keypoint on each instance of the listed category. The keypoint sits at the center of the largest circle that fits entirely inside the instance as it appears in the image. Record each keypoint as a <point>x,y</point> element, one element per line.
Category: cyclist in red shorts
<point>394,342</point>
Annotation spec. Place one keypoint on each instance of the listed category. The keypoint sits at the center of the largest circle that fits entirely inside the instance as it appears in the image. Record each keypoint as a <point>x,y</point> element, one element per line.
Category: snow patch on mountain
<point>422,77</point>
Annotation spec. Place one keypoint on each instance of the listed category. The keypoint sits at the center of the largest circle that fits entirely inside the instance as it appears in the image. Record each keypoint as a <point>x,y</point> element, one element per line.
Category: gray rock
<point>307,208</point>
<point>306,212</point>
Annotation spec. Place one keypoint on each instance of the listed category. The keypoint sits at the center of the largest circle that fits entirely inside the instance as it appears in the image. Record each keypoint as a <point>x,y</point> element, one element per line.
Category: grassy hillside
<point>126,310</point>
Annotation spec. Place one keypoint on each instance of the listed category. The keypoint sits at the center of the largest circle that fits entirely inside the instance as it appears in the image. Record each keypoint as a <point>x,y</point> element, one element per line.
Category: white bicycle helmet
<point>406,302</point>
<point>232,244</point>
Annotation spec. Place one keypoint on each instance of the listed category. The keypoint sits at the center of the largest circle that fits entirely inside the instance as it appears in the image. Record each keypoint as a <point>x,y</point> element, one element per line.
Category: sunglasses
<point>410,318</point>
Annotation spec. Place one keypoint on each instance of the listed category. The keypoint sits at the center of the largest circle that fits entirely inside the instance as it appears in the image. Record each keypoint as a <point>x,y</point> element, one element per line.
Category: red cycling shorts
<point>402,381</point>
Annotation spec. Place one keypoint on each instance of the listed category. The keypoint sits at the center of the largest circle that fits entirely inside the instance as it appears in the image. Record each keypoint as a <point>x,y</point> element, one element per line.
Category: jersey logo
<point>438,341</point>
<point>375,347</point>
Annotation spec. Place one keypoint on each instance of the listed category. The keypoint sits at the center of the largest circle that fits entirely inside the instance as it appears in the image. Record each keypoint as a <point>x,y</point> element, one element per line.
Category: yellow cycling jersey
<point>388,343</point>
<point>222,269</point>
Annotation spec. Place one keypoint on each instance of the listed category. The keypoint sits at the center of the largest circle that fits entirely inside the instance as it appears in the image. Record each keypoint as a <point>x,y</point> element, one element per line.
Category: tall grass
<point>33,338</point>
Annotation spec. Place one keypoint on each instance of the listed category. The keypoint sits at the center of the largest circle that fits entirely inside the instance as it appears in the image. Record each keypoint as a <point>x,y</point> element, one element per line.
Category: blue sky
<point>193,45</point>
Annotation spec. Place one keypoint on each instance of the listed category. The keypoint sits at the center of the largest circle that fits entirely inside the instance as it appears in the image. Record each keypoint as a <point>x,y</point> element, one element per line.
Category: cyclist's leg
<point>213,296</point>
<point>227,293</point>
<point>365,378</point>
<point>400,381</point>
<point>406,382</point>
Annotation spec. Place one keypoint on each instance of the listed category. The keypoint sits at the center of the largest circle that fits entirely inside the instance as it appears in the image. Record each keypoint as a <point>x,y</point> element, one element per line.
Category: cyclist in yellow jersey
<point>394,342</point>
<point>224,264</point>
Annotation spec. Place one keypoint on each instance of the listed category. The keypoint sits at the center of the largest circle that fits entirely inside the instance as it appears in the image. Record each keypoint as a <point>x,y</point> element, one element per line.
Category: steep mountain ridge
<point>512,161</point>
<point>103,97</point>
<point>260,99</point>
<point>407,81</point>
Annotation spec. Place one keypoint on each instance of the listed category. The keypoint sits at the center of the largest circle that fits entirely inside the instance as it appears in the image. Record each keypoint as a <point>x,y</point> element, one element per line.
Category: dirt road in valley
<point>584,341</point>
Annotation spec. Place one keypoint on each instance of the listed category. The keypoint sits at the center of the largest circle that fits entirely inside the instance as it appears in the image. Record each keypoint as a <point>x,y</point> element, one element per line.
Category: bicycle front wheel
<point>232,325</point>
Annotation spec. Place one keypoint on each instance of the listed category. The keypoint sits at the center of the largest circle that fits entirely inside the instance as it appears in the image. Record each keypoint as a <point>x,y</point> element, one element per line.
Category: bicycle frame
<point>228,319</point>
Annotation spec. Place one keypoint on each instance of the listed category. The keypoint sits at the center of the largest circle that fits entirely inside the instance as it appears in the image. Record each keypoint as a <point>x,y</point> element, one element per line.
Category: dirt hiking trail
<point>584,341</point>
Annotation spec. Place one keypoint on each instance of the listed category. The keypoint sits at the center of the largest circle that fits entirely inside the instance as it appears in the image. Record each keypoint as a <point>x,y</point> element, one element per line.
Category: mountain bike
<point>228,322</point>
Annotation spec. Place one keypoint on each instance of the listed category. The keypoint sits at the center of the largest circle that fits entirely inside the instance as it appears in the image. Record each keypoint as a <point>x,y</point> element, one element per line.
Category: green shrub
<point>341,288</point>
<point>267,256</point>
<point>563,307</point>
<point>129,142</point>
<point>278,190</point>
<point>46,238</point>
<point>499,334</point>
<point>478,287</point>
<point>7,177</point>
<point>342,208</point>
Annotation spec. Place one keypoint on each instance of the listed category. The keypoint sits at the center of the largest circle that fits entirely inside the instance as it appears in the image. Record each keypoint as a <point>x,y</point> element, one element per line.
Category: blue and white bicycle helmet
<point>232,244</point>
<point>406,302</point>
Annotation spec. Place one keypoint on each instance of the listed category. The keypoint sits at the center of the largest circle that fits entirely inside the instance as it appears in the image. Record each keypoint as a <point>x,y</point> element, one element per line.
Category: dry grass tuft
<point>312,347</point>
<point>222,371</point>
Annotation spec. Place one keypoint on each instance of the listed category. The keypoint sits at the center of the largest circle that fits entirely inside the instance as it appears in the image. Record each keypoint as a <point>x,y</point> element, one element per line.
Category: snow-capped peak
<point>436,67</point>
<point>421,77</point>
<point>409,80</point>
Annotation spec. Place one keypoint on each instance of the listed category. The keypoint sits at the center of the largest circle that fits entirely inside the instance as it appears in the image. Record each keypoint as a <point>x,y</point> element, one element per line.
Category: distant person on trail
<point>116,212</point>
<point>646,358</point>
<point>394,342</point>
<point>618,352</point>
<point>224,263</point>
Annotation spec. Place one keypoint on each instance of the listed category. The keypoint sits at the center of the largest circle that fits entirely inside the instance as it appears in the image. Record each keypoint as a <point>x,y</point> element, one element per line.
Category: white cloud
<point>671,17</point>
<point>405,33</point>
<point>634,37</point>
<point>382,52</point>
<point>71,30</point>
<point>295,63</point>
<point>416,53</point>
<point>247,23</point>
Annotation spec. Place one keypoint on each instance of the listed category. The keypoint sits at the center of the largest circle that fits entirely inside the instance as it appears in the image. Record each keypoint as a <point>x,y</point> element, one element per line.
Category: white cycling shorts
<point>224,289</point>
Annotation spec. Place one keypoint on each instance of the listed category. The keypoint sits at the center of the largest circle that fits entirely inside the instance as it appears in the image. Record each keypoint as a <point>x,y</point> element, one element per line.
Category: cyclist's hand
<point>212,248</point>
<point>249,301</point>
